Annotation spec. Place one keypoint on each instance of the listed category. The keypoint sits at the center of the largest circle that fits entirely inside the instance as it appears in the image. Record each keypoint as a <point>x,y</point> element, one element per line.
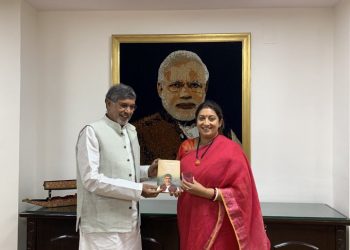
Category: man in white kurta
<point>108,175</point>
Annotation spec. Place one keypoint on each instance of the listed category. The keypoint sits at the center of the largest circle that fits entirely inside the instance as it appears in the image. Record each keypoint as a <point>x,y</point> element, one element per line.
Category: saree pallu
<point>234,223</point>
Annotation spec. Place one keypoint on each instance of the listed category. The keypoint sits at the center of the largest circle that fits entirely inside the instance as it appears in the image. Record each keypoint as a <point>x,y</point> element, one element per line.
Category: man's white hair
<point>179,56</point>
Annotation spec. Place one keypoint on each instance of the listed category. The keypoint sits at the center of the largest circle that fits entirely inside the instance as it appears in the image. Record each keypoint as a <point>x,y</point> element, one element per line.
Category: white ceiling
<point>174,4</point>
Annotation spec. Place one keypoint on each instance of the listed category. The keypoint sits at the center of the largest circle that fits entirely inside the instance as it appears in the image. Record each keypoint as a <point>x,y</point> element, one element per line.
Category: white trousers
<point>110,241</point>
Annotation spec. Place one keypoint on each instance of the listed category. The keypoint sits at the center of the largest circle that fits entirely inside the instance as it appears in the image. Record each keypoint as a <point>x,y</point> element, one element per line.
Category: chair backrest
<point>295,245</point>
<point>151,244</point>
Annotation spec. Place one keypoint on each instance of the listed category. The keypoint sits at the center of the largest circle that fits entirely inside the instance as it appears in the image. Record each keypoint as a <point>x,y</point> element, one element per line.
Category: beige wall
<point>9,112</point>
<point>29,109</point>
<point>341,107</point>
<point>297,96</point>
<point>291,88</point>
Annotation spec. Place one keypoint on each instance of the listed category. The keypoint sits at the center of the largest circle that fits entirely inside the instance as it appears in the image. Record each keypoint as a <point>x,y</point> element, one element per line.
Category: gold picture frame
<point>140,56</point>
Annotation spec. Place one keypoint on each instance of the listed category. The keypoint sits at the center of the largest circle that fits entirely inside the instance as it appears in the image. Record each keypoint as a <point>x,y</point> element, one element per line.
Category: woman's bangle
<point>216,194</point>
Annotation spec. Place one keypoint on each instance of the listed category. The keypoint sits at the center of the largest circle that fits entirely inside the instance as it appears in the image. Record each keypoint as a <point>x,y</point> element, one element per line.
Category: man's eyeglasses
<point>125,106</point>
<point>177,86</point>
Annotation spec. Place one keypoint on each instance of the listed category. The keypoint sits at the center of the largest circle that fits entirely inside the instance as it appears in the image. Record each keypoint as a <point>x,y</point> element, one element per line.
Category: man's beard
<point>122,122</point>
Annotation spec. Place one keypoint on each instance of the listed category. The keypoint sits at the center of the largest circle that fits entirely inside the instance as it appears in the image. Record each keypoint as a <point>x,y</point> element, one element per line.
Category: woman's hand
<point>197,189</point>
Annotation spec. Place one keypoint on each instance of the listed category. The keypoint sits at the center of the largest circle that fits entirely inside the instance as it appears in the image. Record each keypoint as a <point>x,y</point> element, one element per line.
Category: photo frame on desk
<point>136,59</point>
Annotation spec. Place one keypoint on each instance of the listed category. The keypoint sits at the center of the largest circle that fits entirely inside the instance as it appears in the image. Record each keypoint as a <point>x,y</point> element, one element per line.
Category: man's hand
<point>153,169</point>
<point>149,190</point>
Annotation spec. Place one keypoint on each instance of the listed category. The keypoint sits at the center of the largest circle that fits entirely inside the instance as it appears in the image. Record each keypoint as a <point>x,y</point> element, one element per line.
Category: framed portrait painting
<point>138,60</point>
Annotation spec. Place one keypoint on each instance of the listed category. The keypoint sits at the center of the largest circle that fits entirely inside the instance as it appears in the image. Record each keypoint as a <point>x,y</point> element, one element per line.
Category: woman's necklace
<point>198,160</point>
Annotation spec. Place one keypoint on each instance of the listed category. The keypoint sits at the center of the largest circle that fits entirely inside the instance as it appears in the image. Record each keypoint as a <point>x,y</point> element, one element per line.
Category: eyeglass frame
<point>124,106</point>
<point>201,86</point>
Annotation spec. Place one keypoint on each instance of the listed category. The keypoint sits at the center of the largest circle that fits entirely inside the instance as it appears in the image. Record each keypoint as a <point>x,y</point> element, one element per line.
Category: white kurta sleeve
<point>144,172</point>
<point>95,182</point>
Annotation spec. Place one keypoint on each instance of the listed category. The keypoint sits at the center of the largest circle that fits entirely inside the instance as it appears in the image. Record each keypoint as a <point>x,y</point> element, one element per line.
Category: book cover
<point>168,177</point>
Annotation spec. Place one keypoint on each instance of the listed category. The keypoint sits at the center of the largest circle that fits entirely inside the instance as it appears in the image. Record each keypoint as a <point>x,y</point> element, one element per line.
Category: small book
<point>168,178</point>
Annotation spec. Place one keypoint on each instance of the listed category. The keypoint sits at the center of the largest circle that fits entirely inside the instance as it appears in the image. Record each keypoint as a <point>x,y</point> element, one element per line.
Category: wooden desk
<point>290,226</point>
<point>306,226</point>
<point>51,228</point>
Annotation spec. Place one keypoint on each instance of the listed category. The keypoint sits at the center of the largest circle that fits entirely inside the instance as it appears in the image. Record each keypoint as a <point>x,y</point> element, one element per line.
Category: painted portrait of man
<point>182,86</point>
<point>172,78</point>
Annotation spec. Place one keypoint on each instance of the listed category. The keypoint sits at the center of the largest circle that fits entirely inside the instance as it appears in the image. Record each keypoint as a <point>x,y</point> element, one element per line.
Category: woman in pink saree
<point>218,207</point>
